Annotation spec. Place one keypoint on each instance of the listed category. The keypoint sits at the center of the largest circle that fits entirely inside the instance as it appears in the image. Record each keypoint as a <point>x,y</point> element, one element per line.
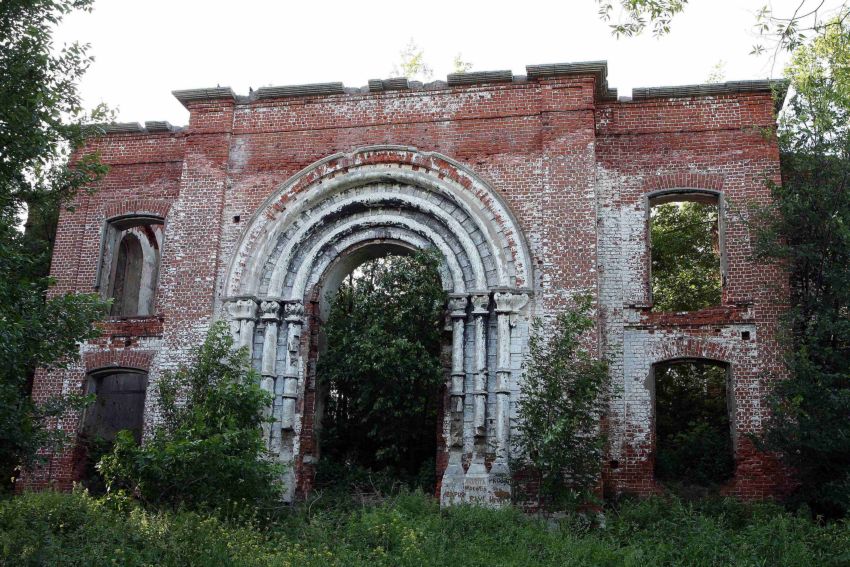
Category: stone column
<point>480,310</point>
<point>508,304</point>
<point>451,488</point>
<point>242,313</point>
<point>270,316</point>
<point>476,482</point>
<point>294,317</point>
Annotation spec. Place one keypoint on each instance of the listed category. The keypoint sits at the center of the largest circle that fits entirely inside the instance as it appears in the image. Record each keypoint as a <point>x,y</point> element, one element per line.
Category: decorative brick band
<point>143,206</point>
<point>102,360</point>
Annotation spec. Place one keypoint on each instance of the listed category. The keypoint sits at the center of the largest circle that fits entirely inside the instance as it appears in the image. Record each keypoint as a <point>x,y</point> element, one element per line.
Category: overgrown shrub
<point>208,450</point>
<point>563,396</point>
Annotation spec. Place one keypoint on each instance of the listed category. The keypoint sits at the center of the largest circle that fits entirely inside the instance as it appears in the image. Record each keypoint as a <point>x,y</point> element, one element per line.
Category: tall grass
<point>410,530</point>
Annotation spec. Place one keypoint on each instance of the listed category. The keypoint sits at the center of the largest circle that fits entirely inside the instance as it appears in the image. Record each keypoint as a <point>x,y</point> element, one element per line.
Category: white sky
<point>145,49</point>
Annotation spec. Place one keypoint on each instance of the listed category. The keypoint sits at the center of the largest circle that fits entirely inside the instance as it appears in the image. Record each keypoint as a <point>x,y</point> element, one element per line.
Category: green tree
<point>788,31</point>
<point>382,368</point>
<point>41,125</point>
<point>412,63</point>
<point>208,450</point>
<point>685,256</point>
<point>564,394</point>
<point>808,231</point>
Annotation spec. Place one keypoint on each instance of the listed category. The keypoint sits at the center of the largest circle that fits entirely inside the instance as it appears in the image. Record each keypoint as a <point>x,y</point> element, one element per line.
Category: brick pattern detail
<point>104,359</point>
<point>573,170</point>
<point>158,207</point>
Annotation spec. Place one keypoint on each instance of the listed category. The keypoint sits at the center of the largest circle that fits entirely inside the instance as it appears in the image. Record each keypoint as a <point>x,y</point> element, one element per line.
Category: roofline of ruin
<point>534,73</point>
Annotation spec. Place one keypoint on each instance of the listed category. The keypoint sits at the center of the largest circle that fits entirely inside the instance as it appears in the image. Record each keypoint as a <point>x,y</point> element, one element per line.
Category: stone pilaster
<point>451,489</point>
<point>242,314</point>
<point>294,317</point>
<point>270,316</point>
<point>508,305</point>
<point>476,482</point>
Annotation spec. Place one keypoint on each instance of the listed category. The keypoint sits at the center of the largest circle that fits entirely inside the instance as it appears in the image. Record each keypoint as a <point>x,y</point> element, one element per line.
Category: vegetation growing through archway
<point>382,370</point>
<point>692,430</point>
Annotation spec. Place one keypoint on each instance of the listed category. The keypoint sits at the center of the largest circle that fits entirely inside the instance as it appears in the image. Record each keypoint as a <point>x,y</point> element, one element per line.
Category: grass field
<point>410,530</point>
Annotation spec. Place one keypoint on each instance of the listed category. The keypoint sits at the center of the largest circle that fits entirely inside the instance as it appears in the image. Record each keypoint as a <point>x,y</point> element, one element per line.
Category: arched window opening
<point>686,251</point>
<point>693,432</point>
<point>379,370</point>
<point>128,277</point>
<point>129,266</point>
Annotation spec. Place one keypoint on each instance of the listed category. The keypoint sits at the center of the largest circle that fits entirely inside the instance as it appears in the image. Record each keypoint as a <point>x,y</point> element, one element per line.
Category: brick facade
<point>533,187</point>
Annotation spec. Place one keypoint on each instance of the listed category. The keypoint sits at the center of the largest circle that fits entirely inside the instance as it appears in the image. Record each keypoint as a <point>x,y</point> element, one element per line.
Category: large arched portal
<point>327,217</point>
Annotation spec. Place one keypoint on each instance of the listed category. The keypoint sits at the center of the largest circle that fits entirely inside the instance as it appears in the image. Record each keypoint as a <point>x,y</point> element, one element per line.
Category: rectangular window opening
<point>685,244</point>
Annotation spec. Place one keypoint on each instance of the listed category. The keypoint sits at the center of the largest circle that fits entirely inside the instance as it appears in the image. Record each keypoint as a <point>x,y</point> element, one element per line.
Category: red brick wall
<point>574,170</point>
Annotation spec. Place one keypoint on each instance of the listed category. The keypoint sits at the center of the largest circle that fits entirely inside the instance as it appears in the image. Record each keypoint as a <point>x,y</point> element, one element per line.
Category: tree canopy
<point>685,256</point>
<point>808,231</point>
<point>41,125</point>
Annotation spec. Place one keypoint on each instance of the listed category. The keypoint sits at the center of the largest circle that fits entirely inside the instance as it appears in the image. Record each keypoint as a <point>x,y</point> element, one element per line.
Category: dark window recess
<point>693,433</point>
<point>130,266</point>
<point>119,404</point>
<point>128,277</point>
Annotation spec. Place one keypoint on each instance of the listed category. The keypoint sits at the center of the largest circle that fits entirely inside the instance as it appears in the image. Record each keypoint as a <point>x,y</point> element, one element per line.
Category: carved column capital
<point>510,302</point>
<point>242,308</point>
<point>480,303</point>
<point>457,305</point>
<point>293,311</point>
<point>270,310</point>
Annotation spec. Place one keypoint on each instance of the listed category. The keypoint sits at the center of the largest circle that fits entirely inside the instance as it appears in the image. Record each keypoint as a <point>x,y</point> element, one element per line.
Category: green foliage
<point>807,230</point>
<point>412,63</point>
<point>692,424</point>
<point>41,123</point>
<point>208,451</point>
<point>788,30</point>
<point>694,443</point>
<point>635,15</point>
<point>685,257</point>
<point>382,369</point>
<point>564,394</point>
<point>459,65</point>
<point>411,530</point>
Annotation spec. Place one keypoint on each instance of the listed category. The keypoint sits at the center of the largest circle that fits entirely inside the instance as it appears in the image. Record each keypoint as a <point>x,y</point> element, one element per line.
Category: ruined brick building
<point>532,188</point>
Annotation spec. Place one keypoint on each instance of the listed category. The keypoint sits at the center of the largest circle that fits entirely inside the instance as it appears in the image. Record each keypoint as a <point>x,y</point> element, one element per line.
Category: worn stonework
<point>531,188</point>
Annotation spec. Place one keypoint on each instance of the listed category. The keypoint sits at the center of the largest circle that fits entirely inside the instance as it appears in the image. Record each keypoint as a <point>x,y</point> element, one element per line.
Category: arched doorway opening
<point>379,371</point>
<point>329,218</point>
<point>693,424</point>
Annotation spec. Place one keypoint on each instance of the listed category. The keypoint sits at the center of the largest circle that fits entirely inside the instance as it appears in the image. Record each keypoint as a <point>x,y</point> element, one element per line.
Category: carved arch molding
<point>400,197</point>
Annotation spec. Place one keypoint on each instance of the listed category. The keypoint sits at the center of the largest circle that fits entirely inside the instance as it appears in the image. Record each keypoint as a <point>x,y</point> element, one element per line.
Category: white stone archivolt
<point>393,198</point>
